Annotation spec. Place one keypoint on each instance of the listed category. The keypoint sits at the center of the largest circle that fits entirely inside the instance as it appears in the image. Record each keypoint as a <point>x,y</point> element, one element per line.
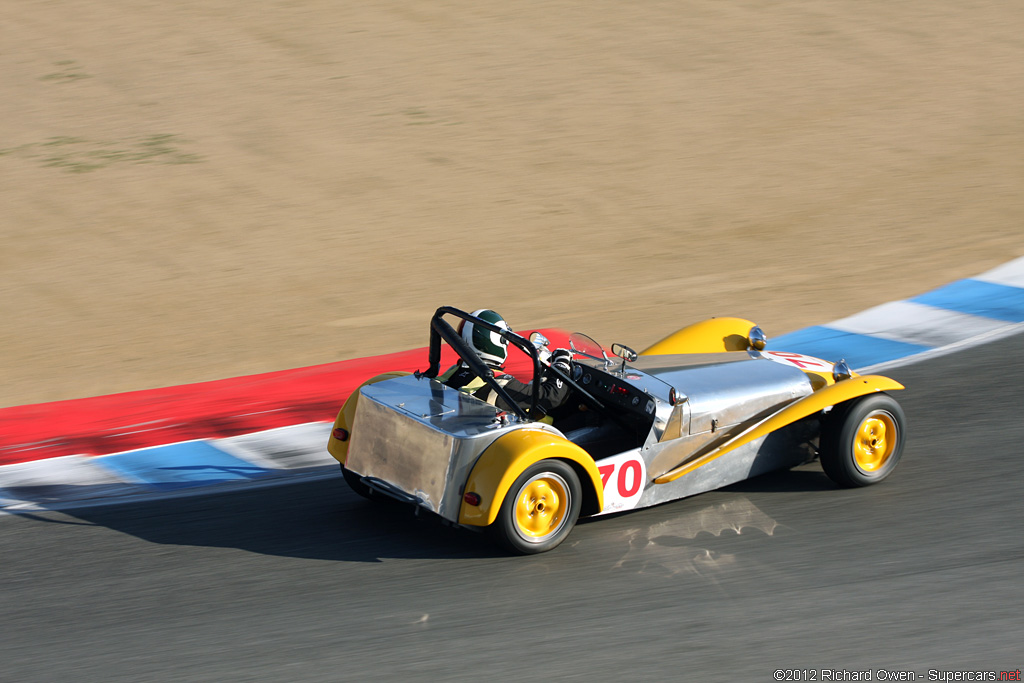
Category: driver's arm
<point>552,393</point>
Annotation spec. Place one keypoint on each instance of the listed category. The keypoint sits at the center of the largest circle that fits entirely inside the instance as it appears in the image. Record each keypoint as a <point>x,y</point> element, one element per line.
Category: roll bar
<point>441,329</point>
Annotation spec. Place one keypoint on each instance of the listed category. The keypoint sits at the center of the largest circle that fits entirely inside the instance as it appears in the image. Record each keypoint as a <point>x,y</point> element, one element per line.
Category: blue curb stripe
<point>859,350</point>
<point>181,465</point>
<point>977,297</point>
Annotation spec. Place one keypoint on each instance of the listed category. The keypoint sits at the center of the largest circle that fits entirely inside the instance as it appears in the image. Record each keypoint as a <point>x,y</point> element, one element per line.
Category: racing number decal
<point>623,477</point>
<point>630,468</point>
<point>798,359</point>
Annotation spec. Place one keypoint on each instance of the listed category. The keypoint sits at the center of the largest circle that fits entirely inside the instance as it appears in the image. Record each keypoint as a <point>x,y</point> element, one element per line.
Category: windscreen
<point>586,346</point>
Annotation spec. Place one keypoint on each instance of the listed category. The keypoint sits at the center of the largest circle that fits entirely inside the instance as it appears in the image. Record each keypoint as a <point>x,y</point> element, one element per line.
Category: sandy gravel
<point>193,189</point>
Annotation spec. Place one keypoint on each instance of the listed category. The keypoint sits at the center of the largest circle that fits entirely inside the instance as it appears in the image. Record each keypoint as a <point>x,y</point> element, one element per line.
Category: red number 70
<point>626,489</point>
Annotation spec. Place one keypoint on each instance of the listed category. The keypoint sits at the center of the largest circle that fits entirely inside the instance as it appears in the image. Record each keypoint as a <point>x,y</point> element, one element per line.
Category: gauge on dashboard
<point>576,372</point>
<point>586,378</point>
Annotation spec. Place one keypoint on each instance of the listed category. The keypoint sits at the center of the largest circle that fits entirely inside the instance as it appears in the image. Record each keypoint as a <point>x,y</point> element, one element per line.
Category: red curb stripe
<point>217,409</point>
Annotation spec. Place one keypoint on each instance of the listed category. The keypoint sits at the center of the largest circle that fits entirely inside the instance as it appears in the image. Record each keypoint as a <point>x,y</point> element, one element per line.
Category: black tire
<point>862,440</point>
<point>354,482</point>
<point>540,509</point>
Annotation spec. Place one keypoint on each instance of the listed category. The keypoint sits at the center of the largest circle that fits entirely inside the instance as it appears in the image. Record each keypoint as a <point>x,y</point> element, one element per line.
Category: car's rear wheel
<point>862,440</point>
<point>540,509</point>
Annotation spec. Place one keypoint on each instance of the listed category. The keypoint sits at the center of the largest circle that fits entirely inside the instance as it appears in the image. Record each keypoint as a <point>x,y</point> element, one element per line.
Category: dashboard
<point>611,389</point>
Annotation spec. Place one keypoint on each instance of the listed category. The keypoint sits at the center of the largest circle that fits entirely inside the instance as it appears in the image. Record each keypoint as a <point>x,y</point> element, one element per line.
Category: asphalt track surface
<point>307,582</point>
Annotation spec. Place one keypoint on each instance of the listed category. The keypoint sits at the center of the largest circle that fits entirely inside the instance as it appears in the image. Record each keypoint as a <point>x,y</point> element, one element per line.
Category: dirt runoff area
<point>193,190</point>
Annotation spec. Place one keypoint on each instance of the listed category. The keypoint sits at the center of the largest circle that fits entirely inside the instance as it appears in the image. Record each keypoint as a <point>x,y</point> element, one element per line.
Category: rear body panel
<point>422,438</point>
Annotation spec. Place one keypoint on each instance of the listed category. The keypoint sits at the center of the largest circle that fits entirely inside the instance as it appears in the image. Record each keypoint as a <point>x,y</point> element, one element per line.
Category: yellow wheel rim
<point>875,441</point>
<point>541,507</point>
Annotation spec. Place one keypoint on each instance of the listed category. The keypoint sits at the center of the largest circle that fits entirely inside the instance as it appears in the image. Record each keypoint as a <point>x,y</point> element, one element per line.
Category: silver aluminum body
<point>787,447</point>
<point>719,395</point>
<point>729,389</point>
<point>417,437</point>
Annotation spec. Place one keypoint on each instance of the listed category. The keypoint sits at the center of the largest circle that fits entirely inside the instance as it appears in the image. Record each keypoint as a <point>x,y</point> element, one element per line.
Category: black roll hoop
<point>441,329</point>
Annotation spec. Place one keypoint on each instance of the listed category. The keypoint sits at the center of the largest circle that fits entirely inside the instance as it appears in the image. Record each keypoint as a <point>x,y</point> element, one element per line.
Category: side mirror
<point>624,352</point>
<point>540,342</point>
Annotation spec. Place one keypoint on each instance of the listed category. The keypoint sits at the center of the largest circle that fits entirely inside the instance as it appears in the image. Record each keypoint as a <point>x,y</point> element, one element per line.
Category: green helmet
<point>490,346</point>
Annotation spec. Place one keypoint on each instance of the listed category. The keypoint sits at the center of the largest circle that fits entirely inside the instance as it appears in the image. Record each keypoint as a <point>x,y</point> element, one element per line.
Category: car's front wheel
<point>540,509</point>
<point>862,440</point>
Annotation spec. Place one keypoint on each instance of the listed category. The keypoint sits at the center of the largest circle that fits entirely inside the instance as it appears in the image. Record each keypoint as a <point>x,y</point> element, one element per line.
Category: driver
<point>493,350</point>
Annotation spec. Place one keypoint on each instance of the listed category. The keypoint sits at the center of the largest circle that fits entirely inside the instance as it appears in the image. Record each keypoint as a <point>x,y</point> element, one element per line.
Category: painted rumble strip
<point>295,453</point>
<point>952,317</point>
<point>147,444</point>
<point>206,410</point>
<point>218,409</point>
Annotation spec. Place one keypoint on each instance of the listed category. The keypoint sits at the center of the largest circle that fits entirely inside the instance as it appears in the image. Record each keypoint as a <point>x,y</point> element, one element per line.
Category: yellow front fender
<point>808,405</point>
<point>708,336</point>
<point>347,415</point>
<point>508,457</point>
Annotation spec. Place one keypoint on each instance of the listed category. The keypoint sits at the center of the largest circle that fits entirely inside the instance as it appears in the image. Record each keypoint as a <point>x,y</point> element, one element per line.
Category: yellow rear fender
<point>504,460</point>
<point>347,415</point>
<point>708,336</point>
<point>823,398</point>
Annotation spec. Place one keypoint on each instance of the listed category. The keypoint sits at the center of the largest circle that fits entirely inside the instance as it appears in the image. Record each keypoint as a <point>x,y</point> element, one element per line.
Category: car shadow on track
<point>314,520</point>
<point>808,477</point>
<point>325,520</point>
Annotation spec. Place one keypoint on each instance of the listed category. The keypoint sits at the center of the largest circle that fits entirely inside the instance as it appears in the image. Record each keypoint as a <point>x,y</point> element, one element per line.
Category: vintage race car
<point>706,407</point>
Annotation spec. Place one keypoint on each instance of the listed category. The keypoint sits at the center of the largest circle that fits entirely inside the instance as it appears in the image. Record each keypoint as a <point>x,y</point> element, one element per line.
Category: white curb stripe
<point>994,335</point>
<point>295,447</point>
<point>65,479</point>
<point>1010,274</point>
<point>914,323</point>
